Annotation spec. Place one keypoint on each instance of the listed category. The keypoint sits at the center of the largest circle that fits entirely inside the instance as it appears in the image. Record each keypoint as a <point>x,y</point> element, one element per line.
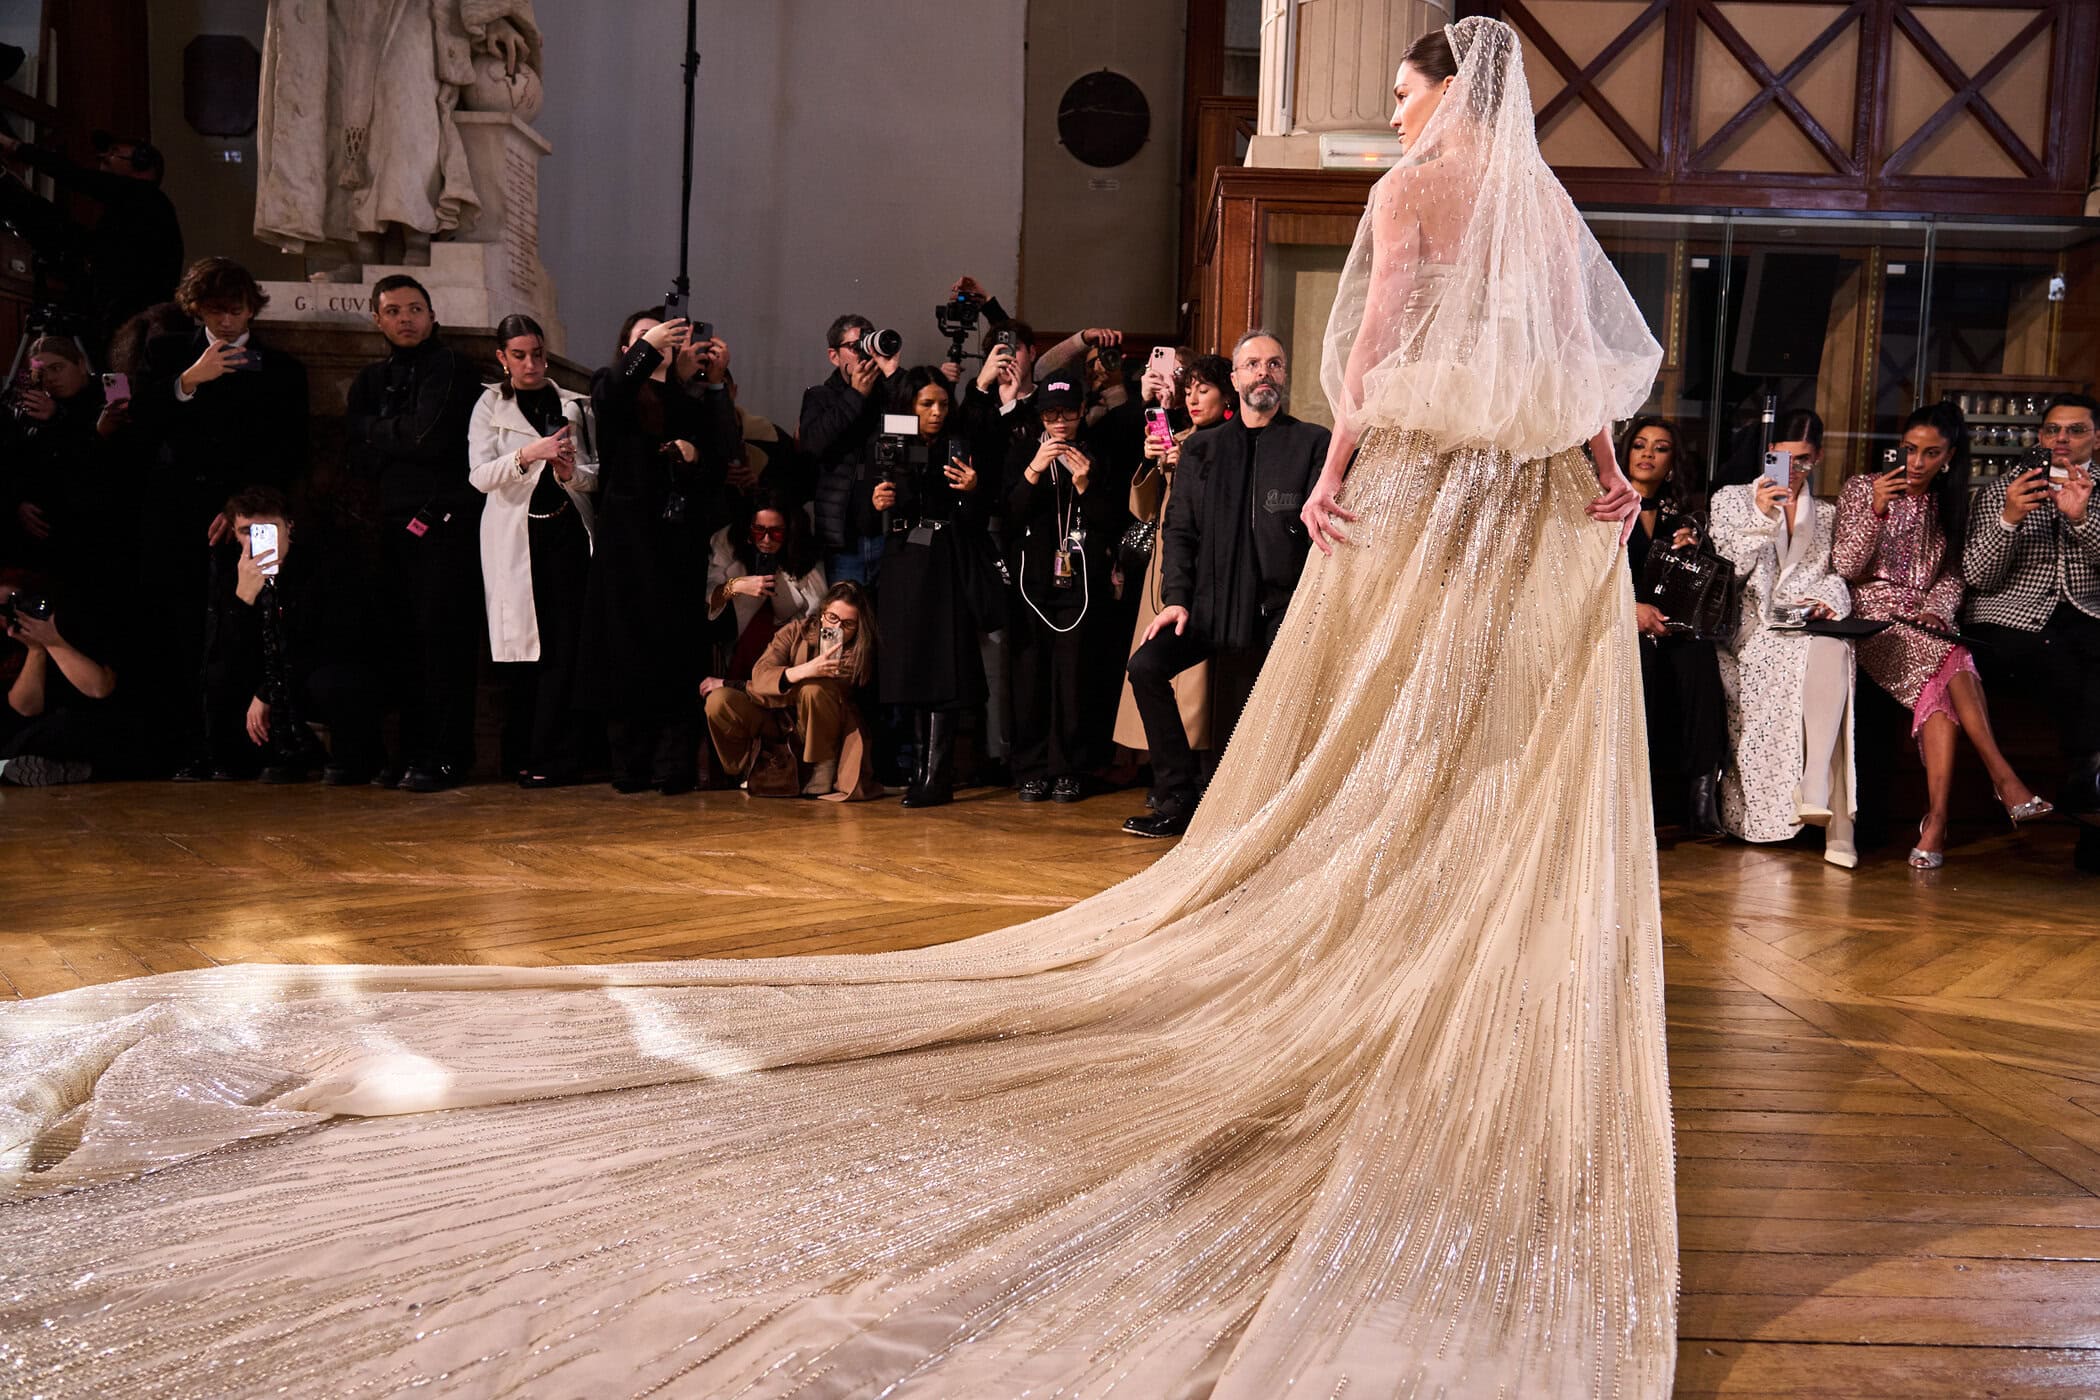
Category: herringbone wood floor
<point>1887,1086</point>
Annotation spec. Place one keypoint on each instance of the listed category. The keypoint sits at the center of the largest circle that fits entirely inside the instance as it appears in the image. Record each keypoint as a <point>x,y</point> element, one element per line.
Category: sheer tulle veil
<point>1527,340</point>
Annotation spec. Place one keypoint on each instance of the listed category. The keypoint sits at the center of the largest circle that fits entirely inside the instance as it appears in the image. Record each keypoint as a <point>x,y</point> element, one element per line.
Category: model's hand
<point>248,578</point>
<point>1821,612</point>
<point>1685,537</point>
<point>752,586</point>
<point>1321,512</point>
<point>1173,615</point>
<point>1616,501</point>
<point>665,336</point>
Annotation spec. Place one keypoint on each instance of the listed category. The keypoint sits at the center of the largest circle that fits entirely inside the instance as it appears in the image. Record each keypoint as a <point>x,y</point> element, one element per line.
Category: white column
<point>1328,66</point>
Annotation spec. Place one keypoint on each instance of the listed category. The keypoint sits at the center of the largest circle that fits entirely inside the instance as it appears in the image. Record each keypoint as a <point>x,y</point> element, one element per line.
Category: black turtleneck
<point>407,431</point>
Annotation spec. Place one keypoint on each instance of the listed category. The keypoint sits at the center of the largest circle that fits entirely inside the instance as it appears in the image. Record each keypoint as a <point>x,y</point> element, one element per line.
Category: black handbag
<point>1696,589</point>
<point>1134,550</point>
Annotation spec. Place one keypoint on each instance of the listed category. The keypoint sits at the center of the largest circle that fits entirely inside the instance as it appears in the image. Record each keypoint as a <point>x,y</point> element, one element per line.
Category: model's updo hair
<point>1431,56</point>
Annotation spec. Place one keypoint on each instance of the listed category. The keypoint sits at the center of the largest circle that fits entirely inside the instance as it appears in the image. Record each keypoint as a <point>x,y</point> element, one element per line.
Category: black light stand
<point>681,285</point>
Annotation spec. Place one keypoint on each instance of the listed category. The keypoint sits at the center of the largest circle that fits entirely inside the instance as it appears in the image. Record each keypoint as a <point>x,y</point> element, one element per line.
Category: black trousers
<point>543,726</point>
<point>1687,711</point>
<point>2062,661</point>
<point>1176,782</point>
<point>1048,675</point>
<point>346,696</point>
<point>433,589</point>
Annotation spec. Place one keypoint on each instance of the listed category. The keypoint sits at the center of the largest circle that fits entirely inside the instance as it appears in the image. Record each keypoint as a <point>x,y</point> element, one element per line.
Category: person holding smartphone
<point>1893,529</point>
<point>1790,695</point>
<point>802,692</point>
<point>224,411</point>
<point>2032,564</point>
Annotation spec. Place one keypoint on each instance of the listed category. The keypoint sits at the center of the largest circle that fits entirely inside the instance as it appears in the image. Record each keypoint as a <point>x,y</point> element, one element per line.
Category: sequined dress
<point>1899,570</point>
<point>1359,1091</point>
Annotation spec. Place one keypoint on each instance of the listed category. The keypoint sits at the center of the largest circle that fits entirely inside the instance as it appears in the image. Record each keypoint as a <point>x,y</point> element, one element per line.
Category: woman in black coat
<point>933,586</point>
<point>666,434</point>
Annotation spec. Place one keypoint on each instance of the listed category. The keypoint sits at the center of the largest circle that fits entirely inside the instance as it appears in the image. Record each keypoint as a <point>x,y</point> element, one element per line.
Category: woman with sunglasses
<point>763,573</point>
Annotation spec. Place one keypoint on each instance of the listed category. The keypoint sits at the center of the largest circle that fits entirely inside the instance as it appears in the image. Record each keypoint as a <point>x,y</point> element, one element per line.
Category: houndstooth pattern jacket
<point>2017,576</point>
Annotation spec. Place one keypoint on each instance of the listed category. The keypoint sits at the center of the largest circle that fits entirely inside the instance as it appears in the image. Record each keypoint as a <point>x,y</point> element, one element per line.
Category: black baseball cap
<point>1060,393</point>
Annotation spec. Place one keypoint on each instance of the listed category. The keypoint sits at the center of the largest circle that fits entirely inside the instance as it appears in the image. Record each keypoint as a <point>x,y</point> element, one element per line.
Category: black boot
<point>915,781</point>
<point>936,763</point>
<point>1702,804</point>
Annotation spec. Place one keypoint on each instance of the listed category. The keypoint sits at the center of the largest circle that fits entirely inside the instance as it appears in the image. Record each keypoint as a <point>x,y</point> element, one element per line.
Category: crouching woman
<point>799,703</point>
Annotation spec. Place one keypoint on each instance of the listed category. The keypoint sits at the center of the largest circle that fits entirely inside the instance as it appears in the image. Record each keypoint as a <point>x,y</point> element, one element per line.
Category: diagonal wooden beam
<point>1775,85</point>
<point>1968,93</point>
<point>1587,81</point>
<point>1514,12</point>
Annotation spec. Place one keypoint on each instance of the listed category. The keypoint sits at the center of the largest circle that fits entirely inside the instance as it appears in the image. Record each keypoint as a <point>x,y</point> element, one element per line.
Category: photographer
<point>763,573</point>
<point>939,587</point>
<point>1204,395</point>
<point>1233,547</point>
<point>134,250</point>
<point>224,411</point>
<point>297,647</point>
<point>801,692</point>
<point>1680,673</point>
<point>1790,694</point>
<point>70,508</point>
<point>2033,565</point>
<point>529,441</point>
<point>1066,523</point>
<point>840,417</point>
<point>667,432</point>
<point>406,430</point>
<point>63,722</point>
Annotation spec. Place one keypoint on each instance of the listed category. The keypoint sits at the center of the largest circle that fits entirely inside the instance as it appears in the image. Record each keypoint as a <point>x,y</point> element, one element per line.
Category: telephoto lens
<point>885,344</point>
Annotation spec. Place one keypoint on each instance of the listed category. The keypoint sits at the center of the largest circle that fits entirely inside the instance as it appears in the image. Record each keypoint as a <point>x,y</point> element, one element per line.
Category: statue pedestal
<point>490,272</point>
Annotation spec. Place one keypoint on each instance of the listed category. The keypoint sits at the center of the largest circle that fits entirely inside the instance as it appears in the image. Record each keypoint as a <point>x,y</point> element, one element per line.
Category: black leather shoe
<point>676,787</point>
<point>1035,790</point>
<point>388,776</point>
<point>205,771</point>
<point>1067,789</point>
<point>1702,805</point>
<point>1157,826</point>
<point>436,778</point>
<point>285,774</point>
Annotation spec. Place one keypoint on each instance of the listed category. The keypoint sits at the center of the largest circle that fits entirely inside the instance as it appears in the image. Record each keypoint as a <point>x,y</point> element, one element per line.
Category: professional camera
<point>885,344</point>
<point>899,457</point>
<point>25,605</point>
<point>957,320</point>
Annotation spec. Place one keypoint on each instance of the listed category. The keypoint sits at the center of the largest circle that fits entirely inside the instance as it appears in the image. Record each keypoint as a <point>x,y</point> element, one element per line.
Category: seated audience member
<point>406,431</point>
<point>297,648</point>
<point>802,691</point>
<point>225,411</point>
<point>1789,693</point>
<point>1892,548</point>
<point>762,574</point>
<point>840,418</point>
<point>64,723</point>
<point>525,441</point>
<point>2033,567</point>
<point>1234,547</point>
<point>71,499</point>
<point>1204,395</point>
<point>936,589</point>
<point>666,432</point>
<point>1680,676</point>
<point>1063,525</point>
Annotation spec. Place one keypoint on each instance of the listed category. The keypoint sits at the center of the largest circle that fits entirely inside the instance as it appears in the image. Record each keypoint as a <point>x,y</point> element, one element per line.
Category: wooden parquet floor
<point>1887,1085</point>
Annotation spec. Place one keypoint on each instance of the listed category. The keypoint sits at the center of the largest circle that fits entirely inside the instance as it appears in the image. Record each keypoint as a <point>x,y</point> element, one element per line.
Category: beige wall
<point>1101,247</point>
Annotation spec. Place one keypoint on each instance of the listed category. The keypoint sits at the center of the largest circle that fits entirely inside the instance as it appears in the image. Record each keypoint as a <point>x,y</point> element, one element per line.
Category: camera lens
<point>883,343</point>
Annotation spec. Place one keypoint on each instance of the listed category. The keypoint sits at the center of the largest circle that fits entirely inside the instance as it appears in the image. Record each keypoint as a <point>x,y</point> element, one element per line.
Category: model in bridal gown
<point>1360,1089</point>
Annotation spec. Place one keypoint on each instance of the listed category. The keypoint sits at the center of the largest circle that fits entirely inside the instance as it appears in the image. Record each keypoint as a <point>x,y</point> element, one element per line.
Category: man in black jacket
<point>224,411</point>
<point>1233,549</point>
<point>840,417</point>
<point>407,433</point>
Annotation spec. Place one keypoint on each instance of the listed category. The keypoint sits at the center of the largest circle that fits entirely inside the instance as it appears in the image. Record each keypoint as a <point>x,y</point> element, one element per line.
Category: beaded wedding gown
<point>1360,1090</point>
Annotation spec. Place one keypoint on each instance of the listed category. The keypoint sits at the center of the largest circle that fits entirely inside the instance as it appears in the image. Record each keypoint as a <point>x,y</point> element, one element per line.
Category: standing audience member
<point>1066,527</point>
<point>1892,534</point>
<point>1680,674</point>
<point>297,647</point>
<point>762,574</point>
<point>2033,562</point>
<point>527,440</point>
<point>71,499</point>
<point>802,691</point>
<point>1233,548</point>
<point>134,249</point>
<point>225,411</point>
<point>932,593</point>
<point>840,418</point>
<point>666,432</point>
<point>1789,694</point>
<point>64,722</point>
<point>407,434</point>
<point>1207,396</point>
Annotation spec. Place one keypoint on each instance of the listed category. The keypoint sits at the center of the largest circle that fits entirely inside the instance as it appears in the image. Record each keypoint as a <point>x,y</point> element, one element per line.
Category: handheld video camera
<point>900,459</point>
<point>957,320</point>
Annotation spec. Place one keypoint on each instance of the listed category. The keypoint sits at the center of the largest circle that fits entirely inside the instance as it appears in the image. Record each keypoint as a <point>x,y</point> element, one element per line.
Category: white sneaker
<point>822,778</point>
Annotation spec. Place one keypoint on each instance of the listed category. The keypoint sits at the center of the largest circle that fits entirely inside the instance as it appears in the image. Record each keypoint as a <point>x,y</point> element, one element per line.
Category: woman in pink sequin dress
<point>1891,547</point>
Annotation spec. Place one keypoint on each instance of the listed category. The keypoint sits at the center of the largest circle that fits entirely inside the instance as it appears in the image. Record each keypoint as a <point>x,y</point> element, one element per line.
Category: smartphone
<point>116,388</point>
<point>262,546</point>
<point>1163,361</point>
<point>1779,468</point>
<point>674,306</point>
<point>1157,425</point>
<point>700,331</point>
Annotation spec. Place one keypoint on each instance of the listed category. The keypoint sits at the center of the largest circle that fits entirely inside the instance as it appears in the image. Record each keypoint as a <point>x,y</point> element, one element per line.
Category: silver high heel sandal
<point>1922,859</point>
<point>2033,809</point>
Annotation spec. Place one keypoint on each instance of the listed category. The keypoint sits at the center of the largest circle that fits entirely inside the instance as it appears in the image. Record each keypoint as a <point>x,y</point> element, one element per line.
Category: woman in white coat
<point>1789,694</point>
<point>529,443</point>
